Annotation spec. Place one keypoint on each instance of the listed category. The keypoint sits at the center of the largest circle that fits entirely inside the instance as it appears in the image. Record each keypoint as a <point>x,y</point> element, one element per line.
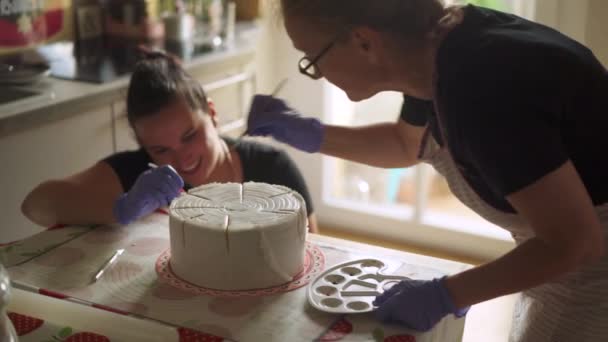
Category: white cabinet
<point>231,96</point>
<point>48,151</point>
<point>229,86</point>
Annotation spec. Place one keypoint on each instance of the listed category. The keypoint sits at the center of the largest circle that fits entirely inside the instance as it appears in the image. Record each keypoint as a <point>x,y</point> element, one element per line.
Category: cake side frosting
<point>238,236</point>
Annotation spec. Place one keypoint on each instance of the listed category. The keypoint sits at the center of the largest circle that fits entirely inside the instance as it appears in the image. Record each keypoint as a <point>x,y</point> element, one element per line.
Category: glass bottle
<point>88,31</point>
<point>7,330</point>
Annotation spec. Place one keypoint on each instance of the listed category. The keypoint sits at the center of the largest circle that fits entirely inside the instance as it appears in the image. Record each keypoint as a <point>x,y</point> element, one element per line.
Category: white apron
<point>573,308</point>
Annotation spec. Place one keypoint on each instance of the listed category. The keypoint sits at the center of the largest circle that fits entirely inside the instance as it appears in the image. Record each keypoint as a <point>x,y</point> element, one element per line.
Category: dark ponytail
<point>156,82</point>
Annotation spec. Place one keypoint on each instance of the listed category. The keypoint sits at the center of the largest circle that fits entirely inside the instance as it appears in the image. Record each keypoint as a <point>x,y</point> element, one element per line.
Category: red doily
<point>314,263</point>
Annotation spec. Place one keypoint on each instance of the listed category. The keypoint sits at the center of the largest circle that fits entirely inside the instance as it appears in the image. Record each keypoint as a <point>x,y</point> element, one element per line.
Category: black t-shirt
<point>261,163</point>
<point>516,100</point>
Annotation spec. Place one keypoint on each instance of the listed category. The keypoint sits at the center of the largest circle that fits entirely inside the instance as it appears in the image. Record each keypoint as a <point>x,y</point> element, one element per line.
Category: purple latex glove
<point>153,189</point>
<point>417,304</point>
<point>270,116</point>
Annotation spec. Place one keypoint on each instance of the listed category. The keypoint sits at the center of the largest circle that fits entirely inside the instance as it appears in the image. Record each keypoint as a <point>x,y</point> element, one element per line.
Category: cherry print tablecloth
<point>34,329</point>
<point>64,261</point>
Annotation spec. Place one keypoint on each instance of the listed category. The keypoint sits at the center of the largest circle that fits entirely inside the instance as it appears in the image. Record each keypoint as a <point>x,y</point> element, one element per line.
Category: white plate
<point>351,287</point>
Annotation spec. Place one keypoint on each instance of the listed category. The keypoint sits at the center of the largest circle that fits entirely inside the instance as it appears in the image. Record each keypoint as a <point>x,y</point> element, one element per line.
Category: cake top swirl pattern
<point>236,207</point>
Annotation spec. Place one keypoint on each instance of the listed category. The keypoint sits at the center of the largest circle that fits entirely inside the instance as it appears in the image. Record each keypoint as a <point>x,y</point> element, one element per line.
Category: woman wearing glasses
<point>512,113</point>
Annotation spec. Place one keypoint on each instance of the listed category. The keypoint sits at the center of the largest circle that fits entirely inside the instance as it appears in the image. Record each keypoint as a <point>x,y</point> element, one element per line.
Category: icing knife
<point>107,264</point>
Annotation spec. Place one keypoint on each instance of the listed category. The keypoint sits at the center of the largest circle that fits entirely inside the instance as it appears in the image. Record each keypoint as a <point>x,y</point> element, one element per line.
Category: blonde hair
<point>411,19</point>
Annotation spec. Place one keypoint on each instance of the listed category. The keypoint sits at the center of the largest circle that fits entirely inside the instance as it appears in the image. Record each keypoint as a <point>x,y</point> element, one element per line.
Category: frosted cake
<point>238,236</point>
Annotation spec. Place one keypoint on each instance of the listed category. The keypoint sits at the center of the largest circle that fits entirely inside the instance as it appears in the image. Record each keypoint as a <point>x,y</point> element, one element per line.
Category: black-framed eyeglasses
<point>308,66</point>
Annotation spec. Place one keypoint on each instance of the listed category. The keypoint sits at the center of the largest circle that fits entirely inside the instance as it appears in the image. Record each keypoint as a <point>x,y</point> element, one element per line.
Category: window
<point>418,194</point>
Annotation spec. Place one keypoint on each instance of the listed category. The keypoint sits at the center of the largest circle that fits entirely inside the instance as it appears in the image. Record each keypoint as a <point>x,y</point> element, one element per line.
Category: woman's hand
<point>417,304</point>
<point>153,189</point>
<point>270,116</point>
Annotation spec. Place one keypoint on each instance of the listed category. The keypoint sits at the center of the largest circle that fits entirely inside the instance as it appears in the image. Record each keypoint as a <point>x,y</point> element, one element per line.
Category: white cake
<point>238,236</point>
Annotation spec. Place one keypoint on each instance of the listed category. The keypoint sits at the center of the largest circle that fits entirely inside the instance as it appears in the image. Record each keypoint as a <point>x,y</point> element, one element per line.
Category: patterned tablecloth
<point>64,261</point>
<point>34,329</point>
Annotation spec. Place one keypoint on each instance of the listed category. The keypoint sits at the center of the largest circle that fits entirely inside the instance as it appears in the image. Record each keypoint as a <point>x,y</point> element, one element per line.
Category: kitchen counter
<point>58,98</point>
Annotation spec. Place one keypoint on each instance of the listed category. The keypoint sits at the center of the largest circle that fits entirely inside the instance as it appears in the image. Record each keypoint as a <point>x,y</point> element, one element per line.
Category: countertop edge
<point>62,99</point>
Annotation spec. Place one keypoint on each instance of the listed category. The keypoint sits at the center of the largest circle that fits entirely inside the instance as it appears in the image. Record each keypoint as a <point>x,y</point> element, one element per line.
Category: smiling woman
<point>176,127</point>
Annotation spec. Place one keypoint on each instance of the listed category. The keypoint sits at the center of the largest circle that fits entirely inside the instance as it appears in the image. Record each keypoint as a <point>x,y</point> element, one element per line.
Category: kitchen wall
<point>596,32</point>
<point>583,20</point>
